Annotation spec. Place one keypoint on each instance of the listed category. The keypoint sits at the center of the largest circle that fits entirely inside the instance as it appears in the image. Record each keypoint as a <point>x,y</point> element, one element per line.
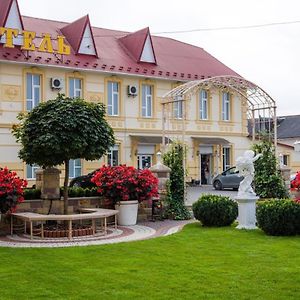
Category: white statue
<point>245,166</point>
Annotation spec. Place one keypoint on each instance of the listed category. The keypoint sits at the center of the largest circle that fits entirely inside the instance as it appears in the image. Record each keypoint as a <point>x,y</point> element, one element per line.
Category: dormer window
<point>140,46</point>
<point>148,53</point>
<point>87,45</point>
<point>12,19</point>
<point>80,36</point>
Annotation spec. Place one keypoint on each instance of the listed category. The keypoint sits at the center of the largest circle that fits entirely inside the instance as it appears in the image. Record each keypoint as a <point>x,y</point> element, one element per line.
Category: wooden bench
<point>85,214</point>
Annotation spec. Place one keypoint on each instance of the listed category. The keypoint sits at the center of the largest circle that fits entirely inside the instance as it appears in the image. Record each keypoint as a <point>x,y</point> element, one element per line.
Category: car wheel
<point>77,184</point>
<point>217,185</point>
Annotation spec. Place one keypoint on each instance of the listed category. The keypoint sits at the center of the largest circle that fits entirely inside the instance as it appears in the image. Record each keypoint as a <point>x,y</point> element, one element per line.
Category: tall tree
<point>268,181</point>
<point>62,129</point>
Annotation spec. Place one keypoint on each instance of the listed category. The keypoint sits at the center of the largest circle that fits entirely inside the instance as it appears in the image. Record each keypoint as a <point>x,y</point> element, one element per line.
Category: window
<point>285,160</point>
<point>178,108</point>
<point>226,158</point>
<point>113,98</point>
<point>33,90</point>
<point>31,171</point>
<point>113,156</point>
<point>225,106</point>
<point>147,94</point>
<point>75,88</point>
<point>74,168</point>
<point>203,105</point>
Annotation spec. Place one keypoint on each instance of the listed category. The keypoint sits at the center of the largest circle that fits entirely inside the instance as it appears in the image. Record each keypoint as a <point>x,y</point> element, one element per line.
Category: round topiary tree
<point>62,129</point>
<point>215,210</point>
<point>268,181</point>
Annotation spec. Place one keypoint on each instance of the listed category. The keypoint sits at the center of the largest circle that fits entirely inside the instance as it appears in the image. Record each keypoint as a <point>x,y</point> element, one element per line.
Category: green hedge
<point>279,217</point>
<point>32,193</point>
<point>73,192</point>
<point>215,210</point>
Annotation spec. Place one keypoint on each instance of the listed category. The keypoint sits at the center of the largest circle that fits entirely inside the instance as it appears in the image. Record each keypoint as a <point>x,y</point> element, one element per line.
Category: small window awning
<point>211,140</point>
<point>144,139</point>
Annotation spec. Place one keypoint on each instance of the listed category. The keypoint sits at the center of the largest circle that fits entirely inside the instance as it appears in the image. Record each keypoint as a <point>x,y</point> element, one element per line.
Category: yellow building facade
<point>210,139</point>
<point>130,73</point>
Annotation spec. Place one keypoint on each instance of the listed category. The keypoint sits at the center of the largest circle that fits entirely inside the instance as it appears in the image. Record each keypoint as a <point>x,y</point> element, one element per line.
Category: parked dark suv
<point>83,181</point>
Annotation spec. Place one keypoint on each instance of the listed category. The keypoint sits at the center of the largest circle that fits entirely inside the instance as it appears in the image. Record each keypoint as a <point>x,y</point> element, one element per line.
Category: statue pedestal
<point>247,210</point>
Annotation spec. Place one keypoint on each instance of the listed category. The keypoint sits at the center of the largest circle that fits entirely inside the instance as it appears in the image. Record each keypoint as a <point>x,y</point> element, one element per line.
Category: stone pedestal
<point>247,212</point>
<point>49,183</point>
<point>162,173</point>
<point>286,175</point>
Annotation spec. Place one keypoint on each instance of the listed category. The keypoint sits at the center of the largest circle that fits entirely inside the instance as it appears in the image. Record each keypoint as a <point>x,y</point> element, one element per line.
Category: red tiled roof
<point>175,60</point>
<point>135,42</point>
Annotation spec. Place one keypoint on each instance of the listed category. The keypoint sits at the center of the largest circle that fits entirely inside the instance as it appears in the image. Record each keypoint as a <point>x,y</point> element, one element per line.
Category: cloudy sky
<point>267,56</point>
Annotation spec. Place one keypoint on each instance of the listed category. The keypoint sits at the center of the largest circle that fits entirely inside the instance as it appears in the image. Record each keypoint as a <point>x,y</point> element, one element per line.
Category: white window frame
<point>110,100</point>
<point>110,155</point>
<point>73,167</point>
<point>226,152</point>
<point>33,88</point>
<point>203,105</point>
<point>33,171</point>
<point>72,82</point>
<point>140,158</point>
<point>178,108</point>
<point>226,106</point>
<point>147,97</point>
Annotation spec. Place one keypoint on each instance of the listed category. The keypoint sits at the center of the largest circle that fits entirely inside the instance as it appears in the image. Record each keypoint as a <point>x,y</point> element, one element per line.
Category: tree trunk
<point>66,182</point>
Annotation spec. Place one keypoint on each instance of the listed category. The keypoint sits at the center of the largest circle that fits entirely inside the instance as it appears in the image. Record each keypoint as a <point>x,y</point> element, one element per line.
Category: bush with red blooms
<point>295,183</point>
<point>122,183</point>
<point>11,190</point>
<point>295,186</point>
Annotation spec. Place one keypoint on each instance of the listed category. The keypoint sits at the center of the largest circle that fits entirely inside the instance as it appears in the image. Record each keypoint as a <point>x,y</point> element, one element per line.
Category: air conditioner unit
<point>132,90</point>
<point>57,83</point>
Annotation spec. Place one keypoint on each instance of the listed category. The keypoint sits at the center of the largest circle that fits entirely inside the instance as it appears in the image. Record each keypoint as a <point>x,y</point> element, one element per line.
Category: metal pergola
<point>261,108</point>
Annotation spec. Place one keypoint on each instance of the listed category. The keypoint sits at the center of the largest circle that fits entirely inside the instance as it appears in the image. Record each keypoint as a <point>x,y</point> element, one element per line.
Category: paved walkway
<point>142,231</point>
<point>193,193</point>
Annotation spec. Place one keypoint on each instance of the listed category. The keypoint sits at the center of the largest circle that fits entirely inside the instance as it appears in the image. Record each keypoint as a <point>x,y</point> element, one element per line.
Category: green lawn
<point>197,263</point>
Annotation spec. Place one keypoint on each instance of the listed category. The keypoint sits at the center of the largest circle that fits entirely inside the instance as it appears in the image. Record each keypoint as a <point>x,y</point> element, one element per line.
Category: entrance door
<point>144,161</point>
<point>205,168</point>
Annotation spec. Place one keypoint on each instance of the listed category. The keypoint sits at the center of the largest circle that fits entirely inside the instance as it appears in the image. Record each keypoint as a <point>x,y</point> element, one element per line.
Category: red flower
<point>121,183</point>
<point>11,190</point>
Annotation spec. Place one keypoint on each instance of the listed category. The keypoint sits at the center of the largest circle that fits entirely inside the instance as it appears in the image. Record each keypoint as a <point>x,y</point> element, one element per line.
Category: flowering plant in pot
<point>125,186</point>
<point>11,190</point>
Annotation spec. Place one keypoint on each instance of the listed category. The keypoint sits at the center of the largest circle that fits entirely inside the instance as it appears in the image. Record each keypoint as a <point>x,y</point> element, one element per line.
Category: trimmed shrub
<point>30,194</point>
<point>80,192</point>
<point>215,210</point>
<point>279,217</point>
<point>74,192</point>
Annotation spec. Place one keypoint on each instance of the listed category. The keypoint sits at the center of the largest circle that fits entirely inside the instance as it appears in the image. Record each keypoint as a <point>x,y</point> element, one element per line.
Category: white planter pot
<point>127,212</point>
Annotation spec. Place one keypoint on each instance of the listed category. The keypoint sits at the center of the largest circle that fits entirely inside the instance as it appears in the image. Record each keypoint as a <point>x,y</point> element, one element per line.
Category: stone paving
<point>142,231</point>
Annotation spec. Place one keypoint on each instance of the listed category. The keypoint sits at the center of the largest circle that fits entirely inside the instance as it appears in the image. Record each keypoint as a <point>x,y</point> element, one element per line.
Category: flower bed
<point>11,190</point>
